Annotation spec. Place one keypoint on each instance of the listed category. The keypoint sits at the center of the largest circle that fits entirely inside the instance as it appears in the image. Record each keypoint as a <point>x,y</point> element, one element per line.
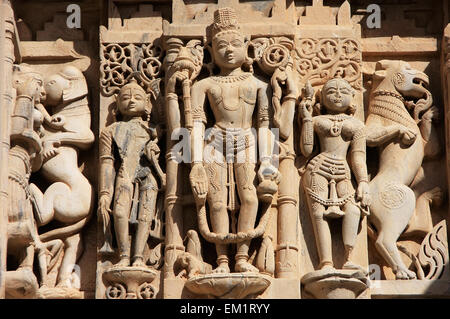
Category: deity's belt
<point>232,142</point>
<point>334,170</point>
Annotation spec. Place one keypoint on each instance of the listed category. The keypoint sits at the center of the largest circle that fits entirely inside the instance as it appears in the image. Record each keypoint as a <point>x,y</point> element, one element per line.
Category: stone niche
<point>224,149</point>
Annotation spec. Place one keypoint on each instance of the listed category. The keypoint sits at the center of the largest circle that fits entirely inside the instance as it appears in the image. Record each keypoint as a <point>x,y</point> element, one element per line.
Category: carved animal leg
<point>73,248</point>
<point>73,203</point>
<point>245,174</point>
<point>390,215</point>
<point>421,223</point>
<point>47,257</point>
<point>44,211</point>
<point>43,269</point>
<point>217,199</point>
<point>62,203</point>
<point>147,207</point>
<point>122,206</point>
<point>350,223</point>
<point>386,245</point>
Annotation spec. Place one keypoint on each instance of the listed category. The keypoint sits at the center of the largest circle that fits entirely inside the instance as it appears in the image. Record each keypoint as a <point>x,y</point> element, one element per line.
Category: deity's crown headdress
<point>225,19</point>
<point>132,84</point>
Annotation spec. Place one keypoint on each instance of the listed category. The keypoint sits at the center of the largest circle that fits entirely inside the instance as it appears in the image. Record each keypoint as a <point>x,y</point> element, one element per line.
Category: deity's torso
<point>335,133</point>
<point>232,99</point>
<point>130,138</point>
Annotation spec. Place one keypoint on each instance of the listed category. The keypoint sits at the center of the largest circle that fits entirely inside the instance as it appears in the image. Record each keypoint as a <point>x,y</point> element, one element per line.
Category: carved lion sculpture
<point>190,263</point>
<point>394,126</point>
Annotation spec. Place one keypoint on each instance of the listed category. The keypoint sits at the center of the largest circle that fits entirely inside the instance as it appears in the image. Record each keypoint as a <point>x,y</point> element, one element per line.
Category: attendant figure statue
<point>327,178</point>
<point>130,146</point>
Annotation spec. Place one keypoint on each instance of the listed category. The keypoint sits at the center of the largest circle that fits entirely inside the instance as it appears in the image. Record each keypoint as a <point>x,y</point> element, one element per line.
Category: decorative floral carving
<point>319,60</point>
<point>119,63</point>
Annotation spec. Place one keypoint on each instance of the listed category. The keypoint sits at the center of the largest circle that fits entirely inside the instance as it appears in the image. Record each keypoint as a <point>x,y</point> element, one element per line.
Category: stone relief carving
<point>23,237</point>
<point>46,143</point>
<point>130,180</point>
<point>183,63</point>
<point>322,59</point>
<point>224,177</point>
<point>399,123</point>
<point>274,57</point>
<point>69,198</point>
<point>237,228</point>
<point>327,180</point>
<point>120,63</point>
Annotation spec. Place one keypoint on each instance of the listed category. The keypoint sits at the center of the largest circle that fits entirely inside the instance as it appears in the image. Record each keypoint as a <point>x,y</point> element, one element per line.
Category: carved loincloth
<point>335,171</point>
<point>229,148</point>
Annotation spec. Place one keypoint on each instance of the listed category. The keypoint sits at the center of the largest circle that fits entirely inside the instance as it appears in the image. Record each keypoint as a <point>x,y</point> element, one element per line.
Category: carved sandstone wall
<point>224,149</point>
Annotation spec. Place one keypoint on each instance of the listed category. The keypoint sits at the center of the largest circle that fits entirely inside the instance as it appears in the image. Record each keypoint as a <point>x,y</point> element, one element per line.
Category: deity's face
<point>54,87</point>
<point>132,101</point>
<point>230,50</point>
<point>337,96</point>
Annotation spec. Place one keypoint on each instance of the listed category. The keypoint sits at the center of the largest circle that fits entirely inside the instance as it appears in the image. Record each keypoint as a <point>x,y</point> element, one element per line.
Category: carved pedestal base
<point>335,284</point>
<point>129,283</point>
<point>59,293</point>
<point>229,286</point>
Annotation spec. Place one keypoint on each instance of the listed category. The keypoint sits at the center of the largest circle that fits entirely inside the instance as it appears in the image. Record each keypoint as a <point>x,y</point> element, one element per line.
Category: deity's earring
<point>148,111</point>
<point>210,66</point>
<point>352,109</point>
<point>115,107</point>
<point>249,64</point>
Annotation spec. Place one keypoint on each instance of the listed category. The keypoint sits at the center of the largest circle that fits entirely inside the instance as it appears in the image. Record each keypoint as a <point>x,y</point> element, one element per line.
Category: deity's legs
<point>321,228</point>
<point>122,207</point>
<point>217,200</point>
<point>147,206</point>
<point>245,175</point>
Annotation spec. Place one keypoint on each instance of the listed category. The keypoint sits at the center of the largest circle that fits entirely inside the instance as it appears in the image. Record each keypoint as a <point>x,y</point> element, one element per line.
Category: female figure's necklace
<point>338,123</point>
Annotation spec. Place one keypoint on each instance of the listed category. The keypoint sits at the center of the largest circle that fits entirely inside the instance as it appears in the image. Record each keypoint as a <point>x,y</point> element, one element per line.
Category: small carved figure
<point>190,263</point>
<point>327,178</point>
<point>233,95</point>
<point>134,186</point>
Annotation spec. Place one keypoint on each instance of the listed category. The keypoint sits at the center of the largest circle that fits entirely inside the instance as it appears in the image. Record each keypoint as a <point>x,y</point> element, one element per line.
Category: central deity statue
<point>228,162</point>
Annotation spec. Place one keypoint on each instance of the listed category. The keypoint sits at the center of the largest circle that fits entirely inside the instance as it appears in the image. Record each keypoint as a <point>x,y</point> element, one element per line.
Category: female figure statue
<point>327,179</point>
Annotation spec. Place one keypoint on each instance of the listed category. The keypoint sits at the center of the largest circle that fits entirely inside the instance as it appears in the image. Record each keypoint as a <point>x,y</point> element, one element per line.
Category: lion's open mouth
<point>422,82</point>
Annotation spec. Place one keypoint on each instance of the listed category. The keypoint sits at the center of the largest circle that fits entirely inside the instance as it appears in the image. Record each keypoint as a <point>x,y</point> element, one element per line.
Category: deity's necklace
<point>229,79</point>
<point>338,123</point>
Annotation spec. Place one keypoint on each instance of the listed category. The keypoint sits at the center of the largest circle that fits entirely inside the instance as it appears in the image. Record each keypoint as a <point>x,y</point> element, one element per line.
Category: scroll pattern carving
<point>434,252</point>
<point>319,60</point>
<point>119,63</point>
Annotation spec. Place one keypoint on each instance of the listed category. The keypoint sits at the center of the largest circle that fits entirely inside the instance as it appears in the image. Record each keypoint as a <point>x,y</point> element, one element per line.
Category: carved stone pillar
<point>6,99</point>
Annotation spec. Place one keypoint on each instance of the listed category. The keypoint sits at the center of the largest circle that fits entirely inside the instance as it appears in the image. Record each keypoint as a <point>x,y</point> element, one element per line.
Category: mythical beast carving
<point>403,141</point>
